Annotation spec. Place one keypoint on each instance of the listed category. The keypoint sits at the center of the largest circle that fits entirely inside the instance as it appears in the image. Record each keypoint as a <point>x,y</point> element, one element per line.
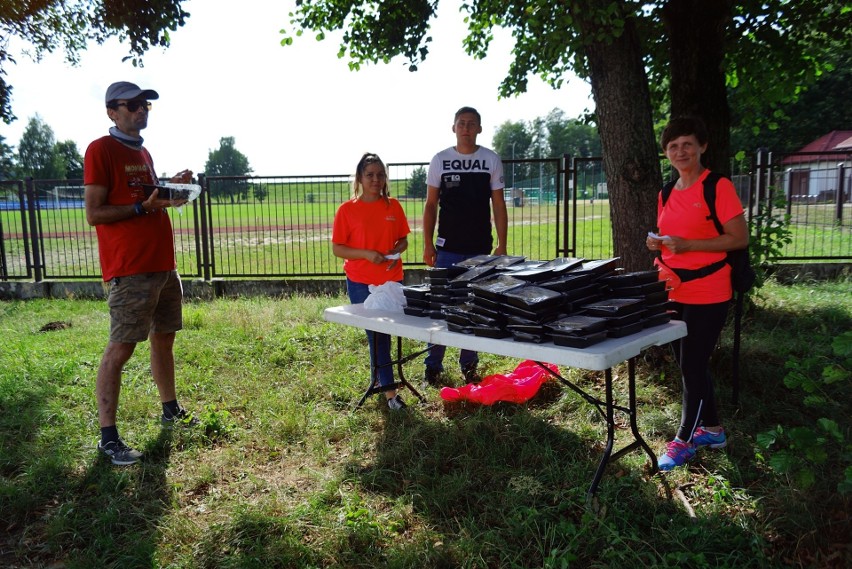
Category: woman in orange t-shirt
<point>688,239</point>
<point>370,233</point>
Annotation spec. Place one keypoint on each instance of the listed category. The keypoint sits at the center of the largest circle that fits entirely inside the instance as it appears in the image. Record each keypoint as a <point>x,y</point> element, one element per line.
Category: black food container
<point>639,290</point>
<point>657,319</point>
<point>418,292</point>
<point>490,332</point>
<point>520,336</point>
<point>534,298</point>
<point>493,287</point>
<point>460,328</point>
<point>562,264</point>
<point>478,260</point>
<point>471,275</point>
<point>490,312</point>
<point>623,279</point>
<point>539,320</point>
<point>534,274</point>
<point>418,302</point>
<point>566,282</point>
<point>506,261</point>
<point>626,330</point>
<point>577,325</point>
<point>444,272</point>
<point>572,341</point>
<point>613,307</point>
<point>597,268</point>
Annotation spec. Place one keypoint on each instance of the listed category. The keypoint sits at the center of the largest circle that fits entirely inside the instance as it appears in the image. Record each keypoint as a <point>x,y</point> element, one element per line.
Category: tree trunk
<point>630,153</point>
<point>696,32</point>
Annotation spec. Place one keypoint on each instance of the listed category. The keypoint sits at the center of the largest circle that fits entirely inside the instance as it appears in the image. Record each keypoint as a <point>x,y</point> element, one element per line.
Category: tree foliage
<point>821,108</point>
<point>513,141</point>
<point>49,25</point>
<point>760,51</point>
<point>778,50</point>
<point>71,158</point>
<point>550,136</point>
<point>228,161</point>
<point>7,160</point>
<point>38,156</point>
<point>570,136</point>
<point>416,186</point>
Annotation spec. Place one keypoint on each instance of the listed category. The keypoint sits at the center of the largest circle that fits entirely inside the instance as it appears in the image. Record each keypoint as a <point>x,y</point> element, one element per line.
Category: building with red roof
<point>817,170</point>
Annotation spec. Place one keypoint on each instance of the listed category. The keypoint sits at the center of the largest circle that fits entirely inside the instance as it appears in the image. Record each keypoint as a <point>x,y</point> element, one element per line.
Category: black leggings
<point>704,323</point>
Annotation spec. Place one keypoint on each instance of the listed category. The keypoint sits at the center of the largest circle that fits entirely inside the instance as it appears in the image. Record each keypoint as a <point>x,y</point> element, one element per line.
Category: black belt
<point>687,275</point>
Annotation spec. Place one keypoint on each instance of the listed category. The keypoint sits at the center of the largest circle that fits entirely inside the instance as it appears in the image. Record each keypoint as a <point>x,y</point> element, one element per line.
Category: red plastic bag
<point>516,387</point>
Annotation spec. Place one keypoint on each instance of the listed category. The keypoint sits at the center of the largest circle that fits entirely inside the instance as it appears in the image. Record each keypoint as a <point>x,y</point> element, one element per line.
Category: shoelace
<point>676,447</point>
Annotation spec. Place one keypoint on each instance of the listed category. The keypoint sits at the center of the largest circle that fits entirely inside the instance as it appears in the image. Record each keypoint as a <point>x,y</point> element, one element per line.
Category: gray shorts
<point>144,303</point>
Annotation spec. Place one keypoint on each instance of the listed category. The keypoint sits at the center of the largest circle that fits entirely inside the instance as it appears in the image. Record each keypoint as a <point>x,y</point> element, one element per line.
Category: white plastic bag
<point>388,297</point>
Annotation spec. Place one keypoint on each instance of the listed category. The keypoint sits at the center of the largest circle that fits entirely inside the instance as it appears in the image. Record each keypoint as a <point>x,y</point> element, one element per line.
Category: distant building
<point>811,174</point>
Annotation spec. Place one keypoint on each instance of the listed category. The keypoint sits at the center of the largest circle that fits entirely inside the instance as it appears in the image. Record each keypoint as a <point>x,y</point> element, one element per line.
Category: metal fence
<point>280,226</point>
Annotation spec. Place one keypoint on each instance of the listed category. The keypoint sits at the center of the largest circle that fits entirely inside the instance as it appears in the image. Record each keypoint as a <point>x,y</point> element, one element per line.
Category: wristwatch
<point>137,207</point>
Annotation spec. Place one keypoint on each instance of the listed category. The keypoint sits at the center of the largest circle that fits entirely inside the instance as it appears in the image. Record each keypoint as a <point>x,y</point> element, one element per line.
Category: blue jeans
<point>379,343</point>
<point>435,359</point>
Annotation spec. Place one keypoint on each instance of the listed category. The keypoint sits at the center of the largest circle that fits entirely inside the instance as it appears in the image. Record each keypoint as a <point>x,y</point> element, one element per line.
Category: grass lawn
<point>284,473</point>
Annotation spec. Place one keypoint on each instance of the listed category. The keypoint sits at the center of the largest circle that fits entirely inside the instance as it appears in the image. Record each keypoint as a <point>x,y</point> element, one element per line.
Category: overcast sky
<point>295,110</point>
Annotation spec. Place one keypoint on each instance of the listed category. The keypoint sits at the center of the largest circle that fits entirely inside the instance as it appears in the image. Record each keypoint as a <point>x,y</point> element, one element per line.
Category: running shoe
<point>119,453</point>
<point>396,403</point>
<point>470,374</point>
<point>183,418</point>
<point>677,453</point>
<point>702,438</point>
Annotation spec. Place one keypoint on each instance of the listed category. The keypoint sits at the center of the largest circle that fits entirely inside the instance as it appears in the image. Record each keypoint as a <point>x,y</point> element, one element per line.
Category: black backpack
<point>742,273</point>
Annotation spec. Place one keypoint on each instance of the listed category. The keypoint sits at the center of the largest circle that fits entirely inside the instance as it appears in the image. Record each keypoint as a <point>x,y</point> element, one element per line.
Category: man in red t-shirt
<point>136,248</point>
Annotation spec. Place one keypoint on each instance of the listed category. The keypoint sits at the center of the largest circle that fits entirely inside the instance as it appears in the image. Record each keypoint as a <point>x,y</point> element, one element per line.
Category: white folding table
<point>600,357</point>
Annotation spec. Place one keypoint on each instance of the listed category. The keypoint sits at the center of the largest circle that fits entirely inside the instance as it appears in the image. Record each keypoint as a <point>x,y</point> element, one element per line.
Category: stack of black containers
<point>570,301</point>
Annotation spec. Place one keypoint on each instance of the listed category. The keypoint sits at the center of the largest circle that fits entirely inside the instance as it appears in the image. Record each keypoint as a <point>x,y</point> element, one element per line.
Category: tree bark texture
<point>696,32</point>
<point>630,153</point>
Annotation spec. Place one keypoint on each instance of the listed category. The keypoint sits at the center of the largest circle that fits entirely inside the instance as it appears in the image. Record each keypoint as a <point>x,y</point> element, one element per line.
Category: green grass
<point>283,473</point>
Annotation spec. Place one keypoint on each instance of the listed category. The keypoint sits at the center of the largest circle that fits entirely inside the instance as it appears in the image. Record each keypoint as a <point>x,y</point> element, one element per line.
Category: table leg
<point>374,387</point>
<point>610,436</point>
<point>374,376</point>
<point>607,409</point>
<point>400,360</point>
<point>631,386</point>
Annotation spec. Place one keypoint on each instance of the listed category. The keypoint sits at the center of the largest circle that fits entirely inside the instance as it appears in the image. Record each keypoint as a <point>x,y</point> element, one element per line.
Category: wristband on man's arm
<point>137,207</point>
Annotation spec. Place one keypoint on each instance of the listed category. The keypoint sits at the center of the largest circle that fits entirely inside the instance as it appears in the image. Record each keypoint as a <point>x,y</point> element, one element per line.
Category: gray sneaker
<point>396,403</point>
<point>119,453</point>
<point>183,419</point>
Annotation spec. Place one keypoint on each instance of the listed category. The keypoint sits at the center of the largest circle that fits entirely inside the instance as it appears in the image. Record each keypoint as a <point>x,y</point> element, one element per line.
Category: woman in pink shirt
<point>694,250</point>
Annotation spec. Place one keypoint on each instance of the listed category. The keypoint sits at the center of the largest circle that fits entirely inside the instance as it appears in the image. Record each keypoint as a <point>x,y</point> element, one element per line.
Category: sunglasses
<point>134,106</point>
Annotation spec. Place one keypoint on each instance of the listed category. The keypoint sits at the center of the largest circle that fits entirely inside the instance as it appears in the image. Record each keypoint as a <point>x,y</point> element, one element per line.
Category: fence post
<point>569,183</point>
<point>34,230</point>
<point>789,191</point>
<point>763,167</point>
<point>4,272</point>
<point>205,244</point>
<point>841,194</point>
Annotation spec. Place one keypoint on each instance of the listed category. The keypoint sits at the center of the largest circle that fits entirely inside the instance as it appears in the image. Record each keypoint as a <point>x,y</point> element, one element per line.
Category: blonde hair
<point>367,159</point>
